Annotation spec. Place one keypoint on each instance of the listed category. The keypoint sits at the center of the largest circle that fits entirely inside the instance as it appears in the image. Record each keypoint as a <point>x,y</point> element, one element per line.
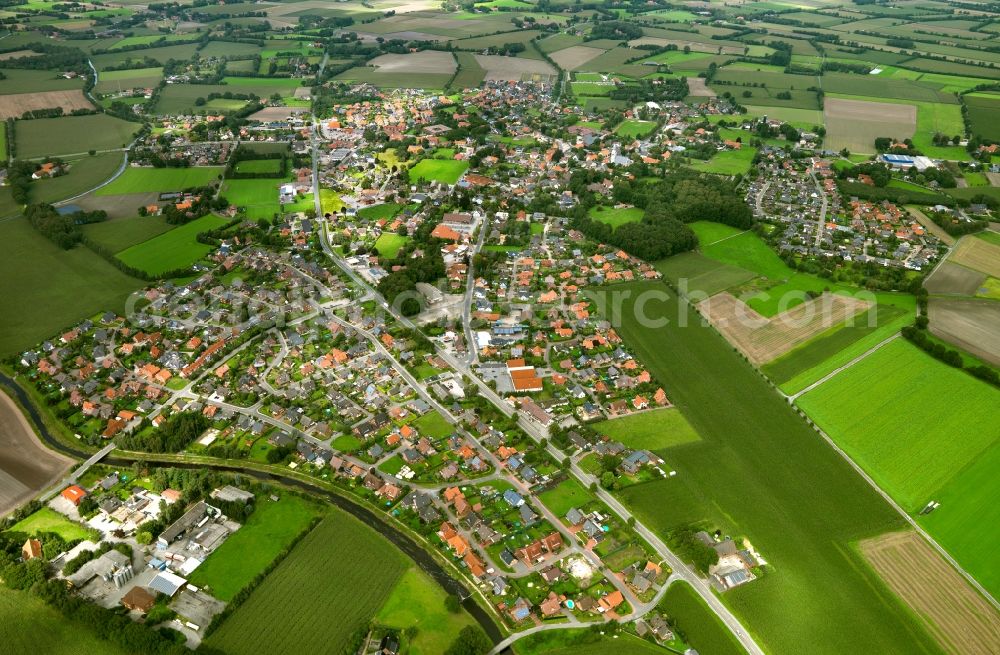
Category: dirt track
<point>762,339</point>
<point>953,612</point>
<point>26,466</point>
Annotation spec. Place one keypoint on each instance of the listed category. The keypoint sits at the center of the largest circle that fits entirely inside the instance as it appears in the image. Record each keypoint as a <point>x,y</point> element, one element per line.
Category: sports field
<point>898,410</point>
<point>738,478</point>
<point>146,179</point>
<point>327,589</point>
<point>615,216</point>
<point>46,289</point>
<point>446,171</point>
<point>72,134</point>
<point>635,128</point>
<point>650,430</point>
<point>172,250</point>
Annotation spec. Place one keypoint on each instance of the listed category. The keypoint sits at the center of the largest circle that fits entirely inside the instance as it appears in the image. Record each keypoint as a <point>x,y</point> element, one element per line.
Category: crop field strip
<point>962,620</point>
<point>328,587</point>
<point>774,505</point>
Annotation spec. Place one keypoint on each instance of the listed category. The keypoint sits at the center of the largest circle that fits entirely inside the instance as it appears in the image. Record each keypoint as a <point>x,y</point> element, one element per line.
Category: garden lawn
<point>161,180</point>
<point>760,471</point>
<point>418,602</point>
<point>432,425</point>
<point>614,216</point>
<point>389,243</point>
<point>248,551</point>
<point>650,430</point>
<point>49,520</point>
<point>172,250</point>
<point>446,171</point>
<point>898,411</point>
<point>28,625</point>
<point>322,594</point>
<point>345,443</point>
<point>565,496</point>
<point>384,210</point>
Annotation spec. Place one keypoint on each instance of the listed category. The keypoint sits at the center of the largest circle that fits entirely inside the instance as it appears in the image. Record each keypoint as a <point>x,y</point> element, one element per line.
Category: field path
<point>731,236</point>
<point>834,372</point>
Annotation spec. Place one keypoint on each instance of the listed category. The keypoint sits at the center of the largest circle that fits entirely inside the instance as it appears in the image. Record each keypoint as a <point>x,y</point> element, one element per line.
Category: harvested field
<point>697,87</point>
<point>951,278</point>
<point>26,466</point>
<point>16,54</point>
<point>977,254</point>
<point>14,105</point>
<point>854,124</point>
<point>762,339</point>
<point>931,226</point>
<point>513,69</point>
<point>575,56</point>
<point>952,611</point>
<point>973,325</point>
<point>428,61</point>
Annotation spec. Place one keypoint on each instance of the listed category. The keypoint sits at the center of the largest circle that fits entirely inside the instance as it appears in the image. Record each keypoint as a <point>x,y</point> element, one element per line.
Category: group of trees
<point>173,435</point>
<point>687,546</point>
<point>917,335</point>
<point>61,229</point>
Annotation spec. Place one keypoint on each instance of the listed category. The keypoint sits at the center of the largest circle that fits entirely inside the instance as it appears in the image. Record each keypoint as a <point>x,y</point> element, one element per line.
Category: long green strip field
<point>760,471</point>
<point>924,431</point>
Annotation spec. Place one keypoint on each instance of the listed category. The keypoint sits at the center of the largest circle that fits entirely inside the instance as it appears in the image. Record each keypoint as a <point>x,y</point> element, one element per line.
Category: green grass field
<point>270,528</point>
<point>438,170</point>
<point>727,162</point>
<point>417,602</point>
<point>582,642</point>
<point>161,180</point>
<point>760,471</point>
<point>28,625</point>
<point>616,217</point>
<point>965,523</point>
<point>260,197</point>
<point>635,128</point>
<point>898,410</point>
<point>171,250</point>
<point>121,233</point>
<point>692,272</point>
<point>46,289</point>
<point>432,425</point>
<point>72,134</point>
<point>650,430</point>
<point>48,520</point>
<point>331,585</point>
<point>566,495</point>
<point>389,243</point>
<point>384,210</point>
<point>701,628</point>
